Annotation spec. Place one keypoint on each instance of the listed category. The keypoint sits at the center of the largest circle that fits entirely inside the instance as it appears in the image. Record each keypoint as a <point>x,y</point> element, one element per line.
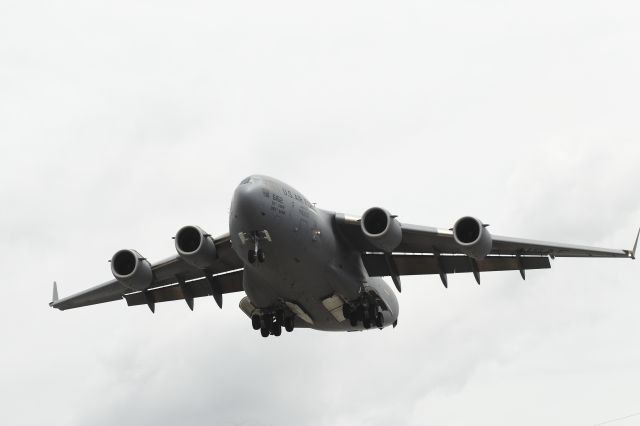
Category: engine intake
<point>196,247</point>
<point>472,237</point>
<point>131,269</point>
<point>381,229</point>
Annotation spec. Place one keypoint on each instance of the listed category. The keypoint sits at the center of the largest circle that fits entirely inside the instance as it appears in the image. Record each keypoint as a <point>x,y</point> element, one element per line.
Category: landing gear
<point>280,316</point>
<point>366,310</point>
<point>271,323</point>
<point>288,324</point>
<point>256,253</point>
<point>353,319</point>
<point>255,321</point>
<point>373,310</point>
<point>347,310</point>
<point>366,322</point>
<point>276,329</point>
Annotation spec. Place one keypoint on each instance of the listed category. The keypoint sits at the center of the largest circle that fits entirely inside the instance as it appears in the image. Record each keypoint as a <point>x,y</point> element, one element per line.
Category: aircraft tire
<point>366,322</point>
<point>360,313</point>
<point>346,310</point>
<point>353,319</point>
<point>267,320</point>
<point>379,320</point>
<point>264,332</point>
<point>252,256</point>
<point>277,330</point>
<point>288,324</point>
<point>372,311</point>
<point>261,256</point>
<point>255,321</point>
<point>280,317</point>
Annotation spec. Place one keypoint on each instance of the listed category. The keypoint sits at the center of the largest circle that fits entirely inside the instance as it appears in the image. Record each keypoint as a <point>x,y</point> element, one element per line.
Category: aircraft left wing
<point>167,275</point>
<point>414,249</point>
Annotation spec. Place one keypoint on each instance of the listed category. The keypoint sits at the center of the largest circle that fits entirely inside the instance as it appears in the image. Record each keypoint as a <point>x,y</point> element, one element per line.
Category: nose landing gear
<point>256,253</point>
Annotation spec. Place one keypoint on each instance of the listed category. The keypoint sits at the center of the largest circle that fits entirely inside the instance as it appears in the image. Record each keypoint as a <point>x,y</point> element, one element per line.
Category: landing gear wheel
<point>288,324</point>
<point>346,310</point>
<point>261,256</point>
<point>252,256</point>
<point>366,322</point>
<point>379,320</point>
<point>264,332</point>
<point>280,317</point>
<point>267,321</point>
<point>277,330</point>
<point>353,319</point>
<point>255,321</point>
<point>360,313</point>
<point>372,311</point>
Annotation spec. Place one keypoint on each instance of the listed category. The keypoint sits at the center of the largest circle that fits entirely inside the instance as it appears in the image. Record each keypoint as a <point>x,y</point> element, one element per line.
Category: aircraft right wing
<point>425,239</point>
<point>170,277</point>
<point>416,250</point>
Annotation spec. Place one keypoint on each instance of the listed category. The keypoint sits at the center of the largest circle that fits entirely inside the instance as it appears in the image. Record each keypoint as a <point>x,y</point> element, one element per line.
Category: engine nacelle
<point>472,237</point>
<point>131,269</point>
<point>196,247</point>
<point>381,229</point>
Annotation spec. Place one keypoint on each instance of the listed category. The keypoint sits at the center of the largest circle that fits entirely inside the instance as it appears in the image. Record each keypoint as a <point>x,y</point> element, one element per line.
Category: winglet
<point>635,246</point>
<point>54,298</point>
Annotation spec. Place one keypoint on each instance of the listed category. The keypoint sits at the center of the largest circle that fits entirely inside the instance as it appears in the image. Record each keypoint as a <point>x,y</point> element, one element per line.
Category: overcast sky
<point>120,122</point>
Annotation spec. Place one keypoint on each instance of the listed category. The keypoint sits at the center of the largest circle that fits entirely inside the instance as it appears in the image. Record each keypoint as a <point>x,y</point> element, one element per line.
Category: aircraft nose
<point>250,205</point>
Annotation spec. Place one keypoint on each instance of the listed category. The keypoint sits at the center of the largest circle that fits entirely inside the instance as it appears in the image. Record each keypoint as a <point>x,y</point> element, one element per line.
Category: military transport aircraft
<point>301,266</point>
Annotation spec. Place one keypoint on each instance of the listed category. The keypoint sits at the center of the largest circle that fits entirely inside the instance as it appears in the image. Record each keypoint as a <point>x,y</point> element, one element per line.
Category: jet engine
<point>381,229</point>
<point>196,247</point>
<point>472,237</point>
<point>131,269</point>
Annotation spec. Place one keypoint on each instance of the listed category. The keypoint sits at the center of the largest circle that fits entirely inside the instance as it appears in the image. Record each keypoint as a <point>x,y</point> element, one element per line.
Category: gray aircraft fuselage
<point>306,260</point>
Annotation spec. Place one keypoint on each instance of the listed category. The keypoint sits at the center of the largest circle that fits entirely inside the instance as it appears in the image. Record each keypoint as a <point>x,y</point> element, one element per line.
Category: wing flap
<point>407,264</point>
<point>229,283</point>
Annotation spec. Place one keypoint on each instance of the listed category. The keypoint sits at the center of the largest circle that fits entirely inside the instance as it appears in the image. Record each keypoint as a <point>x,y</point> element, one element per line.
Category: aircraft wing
<point>418,239</point>
<point>423,239</point>
<point>172,277</point>
<point>427,250</point>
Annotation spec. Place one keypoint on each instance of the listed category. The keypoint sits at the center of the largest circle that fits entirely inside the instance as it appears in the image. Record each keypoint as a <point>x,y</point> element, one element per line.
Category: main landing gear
<point>366,310</point>
<point>272,323</point>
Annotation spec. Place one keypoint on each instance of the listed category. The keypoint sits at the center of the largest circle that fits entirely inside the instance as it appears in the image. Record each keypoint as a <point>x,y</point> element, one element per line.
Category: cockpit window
<point>246,180</point>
